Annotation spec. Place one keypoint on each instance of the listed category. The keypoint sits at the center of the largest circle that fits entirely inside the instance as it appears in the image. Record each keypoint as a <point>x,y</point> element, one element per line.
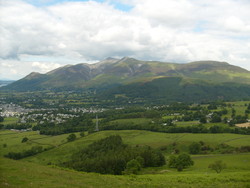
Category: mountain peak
<point>32,75</point>
<point>110,59</point>
<point>112,71</point>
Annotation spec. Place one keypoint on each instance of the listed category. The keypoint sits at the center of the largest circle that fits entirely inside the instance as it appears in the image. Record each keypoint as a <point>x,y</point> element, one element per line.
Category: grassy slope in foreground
<point>25,174</point>
<point>135,137</point>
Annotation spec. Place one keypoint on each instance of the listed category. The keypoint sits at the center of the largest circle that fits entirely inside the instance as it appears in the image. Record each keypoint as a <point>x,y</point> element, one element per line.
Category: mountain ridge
<point>119,75</point>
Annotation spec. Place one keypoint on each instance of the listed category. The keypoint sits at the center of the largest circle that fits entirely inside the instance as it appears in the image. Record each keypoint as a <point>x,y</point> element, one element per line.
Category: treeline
<point>77,124</point>
<point>174,129</point>
<point>179,112</point>
<point>27,153</point>
<point>17,126</point>
<point>204,148</point>
<point>129,112</point>
<point>111,156</point>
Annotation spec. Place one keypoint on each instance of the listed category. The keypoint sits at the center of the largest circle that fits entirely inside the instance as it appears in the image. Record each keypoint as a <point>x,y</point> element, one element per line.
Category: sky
<point>41,35</point>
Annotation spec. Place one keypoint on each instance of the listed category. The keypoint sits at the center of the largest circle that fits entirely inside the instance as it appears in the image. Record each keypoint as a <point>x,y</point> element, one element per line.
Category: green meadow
<point>9,120</point>
<point>26,174</point>
<point>34,171</point>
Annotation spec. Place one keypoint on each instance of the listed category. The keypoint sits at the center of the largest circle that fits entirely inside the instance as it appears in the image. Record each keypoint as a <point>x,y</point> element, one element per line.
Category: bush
<point>195,148</point>
<point>19,155</point>
<point>140,160</point>
<point>182,161</point>
<point>132,167</point>
<point>71,137</point>
<point>25,139</point>
<point>82,134</point>
<point>218,166</point>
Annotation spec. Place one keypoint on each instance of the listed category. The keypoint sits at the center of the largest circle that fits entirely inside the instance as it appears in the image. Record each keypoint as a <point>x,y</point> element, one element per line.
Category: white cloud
<point>166,30</point>
<point>45,67</point>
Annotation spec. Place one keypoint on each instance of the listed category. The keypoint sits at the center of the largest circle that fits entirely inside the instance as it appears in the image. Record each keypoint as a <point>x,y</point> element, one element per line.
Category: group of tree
<point>19,155</point>
<point>173,129</point>
<point>18,126</point>
<point>204,148</point>
<point>77,124</point>
<point>238,119</point>
<point>111,156</point>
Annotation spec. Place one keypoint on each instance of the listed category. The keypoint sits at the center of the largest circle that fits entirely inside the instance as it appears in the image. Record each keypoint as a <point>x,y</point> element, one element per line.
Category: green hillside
<point>24,174</point>
<point>35,172</point>
<point>172,89</point>
<point>63,150</point>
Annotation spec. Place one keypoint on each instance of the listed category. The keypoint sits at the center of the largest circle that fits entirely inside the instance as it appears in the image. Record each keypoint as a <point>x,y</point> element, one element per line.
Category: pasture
<point>24,174</point>
<point>34,171</point>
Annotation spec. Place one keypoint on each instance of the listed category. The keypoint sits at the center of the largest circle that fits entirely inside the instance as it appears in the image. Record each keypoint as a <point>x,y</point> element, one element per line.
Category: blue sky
<point>117,4</point>
<point>41,35</point>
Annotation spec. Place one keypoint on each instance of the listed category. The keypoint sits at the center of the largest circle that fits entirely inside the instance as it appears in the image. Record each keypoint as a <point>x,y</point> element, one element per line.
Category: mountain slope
<point>176,89</point>
<point>145,79</point>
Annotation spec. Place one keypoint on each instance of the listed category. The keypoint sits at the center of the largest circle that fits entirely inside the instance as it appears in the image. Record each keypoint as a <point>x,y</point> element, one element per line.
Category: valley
<point>51,151</point>
<point>127,123</point>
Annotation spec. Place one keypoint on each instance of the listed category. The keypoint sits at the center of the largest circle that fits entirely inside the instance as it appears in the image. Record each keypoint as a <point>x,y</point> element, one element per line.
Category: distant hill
<point>132,78</point>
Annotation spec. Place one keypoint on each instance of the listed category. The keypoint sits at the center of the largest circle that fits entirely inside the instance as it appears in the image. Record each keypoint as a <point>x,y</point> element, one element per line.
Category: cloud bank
<point>41,38</point>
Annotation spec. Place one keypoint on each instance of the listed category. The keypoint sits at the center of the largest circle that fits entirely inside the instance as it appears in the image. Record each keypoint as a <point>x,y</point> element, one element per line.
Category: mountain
<point>132,78</point>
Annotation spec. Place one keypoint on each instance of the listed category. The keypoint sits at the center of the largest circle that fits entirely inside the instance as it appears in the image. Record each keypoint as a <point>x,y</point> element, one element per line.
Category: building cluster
<point>12,110</point>
<point>42,115</point>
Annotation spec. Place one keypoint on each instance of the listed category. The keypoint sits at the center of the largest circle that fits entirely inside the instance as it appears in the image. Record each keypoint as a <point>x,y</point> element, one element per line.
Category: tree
<point>218,166</point>
<point>140,160</point>
<point>195,148</point>
<point>132,167</point>
<point>203,119</point>
<point>1,119</point>
<point>233,113</point>
<point>216,129</point>
<point>71,137</point>
<point>172,161</point>
<point>82,134</point>
<point>25,139</point>
<point>215,118</point>
<point>182,161</point>
<point>212,107</point>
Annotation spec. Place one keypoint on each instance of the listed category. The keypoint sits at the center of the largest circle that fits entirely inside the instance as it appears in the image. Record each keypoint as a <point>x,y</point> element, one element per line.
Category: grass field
<point>9,120</point>
<point>34,171</point>
<point>133,120</point>
<point>131,137</point>
<point>25,174</point>
<point>13,140</point>
<point>239,106</point>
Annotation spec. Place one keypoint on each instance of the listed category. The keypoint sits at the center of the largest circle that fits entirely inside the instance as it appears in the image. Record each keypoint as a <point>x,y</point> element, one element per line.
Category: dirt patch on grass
<point>243,124</point>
